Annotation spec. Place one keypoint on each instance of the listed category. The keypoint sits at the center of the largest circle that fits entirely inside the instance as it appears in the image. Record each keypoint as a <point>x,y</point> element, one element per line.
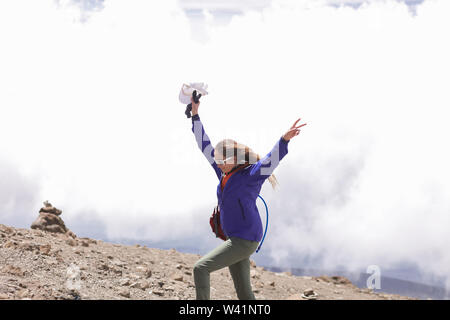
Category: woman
<point>241,173</point>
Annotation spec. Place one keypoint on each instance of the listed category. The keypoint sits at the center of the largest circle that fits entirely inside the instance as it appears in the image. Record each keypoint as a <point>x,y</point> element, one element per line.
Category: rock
<point>178,266</point>
<point>117,271</point>
<point>104,267</point>
<point>16,271</point>
<point>28,246</point>
<point>124,282</point>
<point>333,279</point>
<point>136,285</point>
<point>84,243</point>
<point>157,292</point>
<point>124,293</point>
<point>3,296</point>
<point>51,210</point>
<point>254,274</point>
<point>10,244</point>
<point>49,220</point>
<point>146,271</point>
<point>177,277</point>
<point>270,283</point>
<point>252,264</point>
<point>340,280</point>
<point>71,234</point>
<point>72,242</point>
<point>45,249</point>
<point>144,285</point>
<point>7,230</point>
<point>23,293</point>
<point>309,294</point>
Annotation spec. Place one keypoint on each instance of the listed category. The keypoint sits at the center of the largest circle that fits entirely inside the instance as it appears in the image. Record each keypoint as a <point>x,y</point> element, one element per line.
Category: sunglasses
<point>224,160</point>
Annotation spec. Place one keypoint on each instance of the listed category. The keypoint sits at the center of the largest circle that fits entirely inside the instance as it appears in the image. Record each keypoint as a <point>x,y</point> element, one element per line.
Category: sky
<point>90,120</point>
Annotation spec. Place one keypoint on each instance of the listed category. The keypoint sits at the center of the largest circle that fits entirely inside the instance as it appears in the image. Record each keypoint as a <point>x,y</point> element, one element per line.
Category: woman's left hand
<point>293,131</point>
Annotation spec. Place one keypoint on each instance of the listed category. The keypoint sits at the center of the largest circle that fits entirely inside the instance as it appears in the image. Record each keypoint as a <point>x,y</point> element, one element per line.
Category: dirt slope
<point>36,264</point>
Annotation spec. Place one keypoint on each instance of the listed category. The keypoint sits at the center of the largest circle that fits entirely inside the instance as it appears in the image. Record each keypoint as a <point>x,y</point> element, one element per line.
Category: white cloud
<point>92,107</point>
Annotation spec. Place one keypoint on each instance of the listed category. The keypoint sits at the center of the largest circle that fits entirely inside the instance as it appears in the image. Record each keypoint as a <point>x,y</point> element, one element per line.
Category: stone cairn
<point>49,220</point>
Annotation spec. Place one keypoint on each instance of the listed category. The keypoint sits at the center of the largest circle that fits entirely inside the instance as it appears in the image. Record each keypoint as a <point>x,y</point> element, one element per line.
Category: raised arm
<point>203,141</point>
<point>263,168</point>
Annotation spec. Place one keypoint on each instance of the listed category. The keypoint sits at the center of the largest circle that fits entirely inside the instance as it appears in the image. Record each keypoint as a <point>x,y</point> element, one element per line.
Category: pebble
<point>156,292</point>
<point>144,285</point>
<point>177,277</point>
<point>146,271</point>
<point>71,242</point>
<point>124,293</point>
<point>3,296</point>
<point>45,249</point>
<point>254,274</point>
<point>135,285</point>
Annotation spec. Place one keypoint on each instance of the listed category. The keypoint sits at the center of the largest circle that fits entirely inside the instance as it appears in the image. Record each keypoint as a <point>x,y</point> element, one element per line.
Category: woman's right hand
<point>194,106</point>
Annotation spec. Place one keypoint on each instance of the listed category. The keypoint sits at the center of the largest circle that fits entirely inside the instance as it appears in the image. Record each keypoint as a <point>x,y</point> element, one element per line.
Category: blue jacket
<point>239,216</point>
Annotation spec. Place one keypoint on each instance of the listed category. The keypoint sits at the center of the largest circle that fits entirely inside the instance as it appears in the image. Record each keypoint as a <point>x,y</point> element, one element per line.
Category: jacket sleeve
<point>204,143</point>
<point>263,168</point>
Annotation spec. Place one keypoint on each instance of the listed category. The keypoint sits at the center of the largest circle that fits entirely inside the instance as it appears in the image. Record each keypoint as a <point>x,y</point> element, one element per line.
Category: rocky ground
<point>36,264</point>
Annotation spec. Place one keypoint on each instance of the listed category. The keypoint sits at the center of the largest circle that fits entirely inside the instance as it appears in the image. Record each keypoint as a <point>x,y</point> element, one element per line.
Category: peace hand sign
<point>293,131</point>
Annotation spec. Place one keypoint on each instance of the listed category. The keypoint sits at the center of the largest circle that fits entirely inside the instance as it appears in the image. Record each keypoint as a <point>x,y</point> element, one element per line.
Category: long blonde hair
<point>243,154</point>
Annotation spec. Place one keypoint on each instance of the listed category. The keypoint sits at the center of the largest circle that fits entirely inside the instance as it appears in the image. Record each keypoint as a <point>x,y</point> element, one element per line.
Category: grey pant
<point>234,253</point>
